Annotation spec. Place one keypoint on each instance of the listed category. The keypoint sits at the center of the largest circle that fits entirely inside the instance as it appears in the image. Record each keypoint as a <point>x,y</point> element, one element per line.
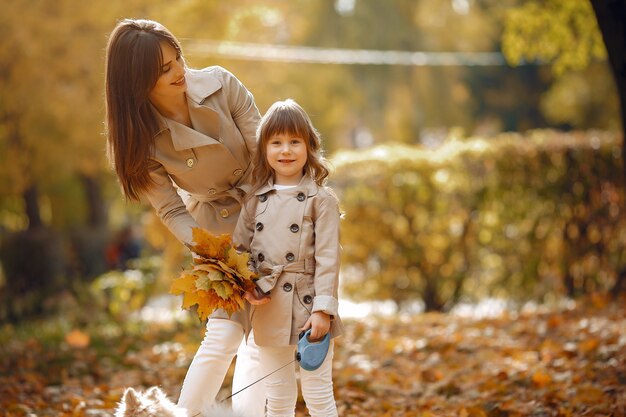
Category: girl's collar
<point>306,184</point>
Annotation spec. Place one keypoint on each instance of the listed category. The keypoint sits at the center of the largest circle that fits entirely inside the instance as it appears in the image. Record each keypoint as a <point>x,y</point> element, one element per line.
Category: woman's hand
<point>256,297</point>
<point>319,323</point>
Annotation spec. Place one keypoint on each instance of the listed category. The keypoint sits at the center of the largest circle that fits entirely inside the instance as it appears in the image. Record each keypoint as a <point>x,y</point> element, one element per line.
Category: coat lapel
<point>205,120</point>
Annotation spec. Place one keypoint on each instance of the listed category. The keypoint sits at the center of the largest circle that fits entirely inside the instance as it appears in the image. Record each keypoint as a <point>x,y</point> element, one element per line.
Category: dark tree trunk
<point>611,16</point>
<point>31,204</point>
<point>430,297</point>
<point>95,203</point>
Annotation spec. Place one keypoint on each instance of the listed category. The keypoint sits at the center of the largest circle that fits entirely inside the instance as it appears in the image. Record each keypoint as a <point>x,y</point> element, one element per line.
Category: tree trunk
<point>611,16</point>
<point>95,203</point>
<point>31,204</point>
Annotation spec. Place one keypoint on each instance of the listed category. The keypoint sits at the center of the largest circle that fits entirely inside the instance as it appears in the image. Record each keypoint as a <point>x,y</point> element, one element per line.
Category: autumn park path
<point>564,362</point>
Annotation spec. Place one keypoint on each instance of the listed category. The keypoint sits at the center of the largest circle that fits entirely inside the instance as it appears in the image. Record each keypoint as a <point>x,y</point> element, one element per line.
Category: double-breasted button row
<point>290,257</point>
<point>307,299</point>
<point>190,162</point>
<point>294,227</point>
<point>287,287</point>
<point>301,196</point>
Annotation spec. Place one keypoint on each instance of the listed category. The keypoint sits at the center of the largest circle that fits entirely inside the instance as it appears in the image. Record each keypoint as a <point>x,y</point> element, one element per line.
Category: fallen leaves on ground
<point>569,362</point>
<point>562,363</point>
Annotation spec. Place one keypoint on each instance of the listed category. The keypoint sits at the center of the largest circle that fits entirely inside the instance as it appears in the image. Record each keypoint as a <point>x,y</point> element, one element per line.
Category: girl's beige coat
<point>293,237</point>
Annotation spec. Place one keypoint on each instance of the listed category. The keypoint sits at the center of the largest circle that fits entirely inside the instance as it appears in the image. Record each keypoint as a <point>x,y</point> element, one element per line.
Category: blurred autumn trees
<point>517,217</point>
<point>60,204</point>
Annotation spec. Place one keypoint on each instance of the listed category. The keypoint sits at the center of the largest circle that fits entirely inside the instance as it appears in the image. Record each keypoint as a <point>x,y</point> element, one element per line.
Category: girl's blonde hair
<point>288,117</point>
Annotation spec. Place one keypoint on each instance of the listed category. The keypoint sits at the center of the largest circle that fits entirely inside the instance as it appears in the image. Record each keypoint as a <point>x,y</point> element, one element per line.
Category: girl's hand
<point>256,297</point>
<point>319,323</point>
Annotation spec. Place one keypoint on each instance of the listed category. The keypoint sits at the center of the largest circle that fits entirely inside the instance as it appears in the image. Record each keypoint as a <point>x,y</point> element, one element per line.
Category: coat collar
<point>200,85</point>
<point>306,184</point>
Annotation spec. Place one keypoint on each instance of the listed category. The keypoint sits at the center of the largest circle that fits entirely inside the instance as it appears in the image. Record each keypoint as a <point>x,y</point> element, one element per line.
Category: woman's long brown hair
<point>289,117</point>
<point>133,66</point>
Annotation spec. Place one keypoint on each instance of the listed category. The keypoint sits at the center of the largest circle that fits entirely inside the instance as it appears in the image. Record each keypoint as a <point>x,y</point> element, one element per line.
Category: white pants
<point>282,389</point>
<point>209,366</point>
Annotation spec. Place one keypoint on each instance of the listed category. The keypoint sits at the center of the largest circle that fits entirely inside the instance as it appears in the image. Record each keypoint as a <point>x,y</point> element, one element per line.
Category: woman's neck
<point>174,108</point>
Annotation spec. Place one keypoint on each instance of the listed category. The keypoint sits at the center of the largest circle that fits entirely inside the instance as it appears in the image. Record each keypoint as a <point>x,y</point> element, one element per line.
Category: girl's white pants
<point>282,390</point>
<point>224,339</point>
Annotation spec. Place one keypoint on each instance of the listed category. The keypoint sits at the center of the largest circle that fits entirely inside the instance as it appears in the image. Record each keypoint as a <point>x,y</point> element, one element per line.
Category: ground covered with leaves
<point>569,361</point>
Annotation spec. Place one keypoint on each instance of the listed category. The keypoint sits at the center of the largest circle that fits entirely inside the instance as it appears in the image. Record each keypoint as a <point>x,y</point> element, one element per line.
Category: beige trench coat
<point>293,238</point>
<point>202,174</point>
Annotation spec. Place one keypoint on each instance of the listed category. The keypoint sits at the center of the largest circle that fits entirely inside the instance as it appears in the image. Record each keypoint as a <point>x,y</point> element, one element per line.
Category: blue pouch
<point>311,355</point>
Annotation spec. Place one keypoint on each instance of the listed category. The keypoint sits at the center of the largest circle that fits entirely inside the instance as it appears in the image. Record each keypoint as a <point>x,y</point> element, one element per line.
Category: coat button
<point>260,257</point>
<point>301,196</point>
<point>307,299</point>
<point>290,257</point>
<point>263,198</point>
<point>287,287</point>
<point>212,191</point>
<point>190,162</point>
<point>238,172</point>
<point>294,228</point>
<point>224,213</point>
<point>259,226</point>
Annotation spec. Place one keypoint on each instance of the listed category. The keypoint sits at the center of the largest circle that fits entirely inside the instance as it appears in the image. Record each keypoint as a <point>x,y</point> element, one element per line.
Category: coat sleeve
<point>242,109</point>
<point>169,206</point>
<point>327,256</point>
<point>242,236</point>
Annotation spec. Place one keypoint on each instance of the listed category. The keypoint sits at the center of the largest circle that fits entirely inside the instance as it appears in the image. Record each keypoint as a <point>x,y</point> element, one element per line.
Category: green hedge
<point>518,216</point>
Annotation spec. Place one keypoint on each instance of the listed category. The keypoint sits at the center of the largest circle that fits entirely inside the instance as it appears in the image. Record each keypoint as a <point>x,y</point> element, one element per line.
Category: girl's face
<point>287,155</point>
<point>172,79</point>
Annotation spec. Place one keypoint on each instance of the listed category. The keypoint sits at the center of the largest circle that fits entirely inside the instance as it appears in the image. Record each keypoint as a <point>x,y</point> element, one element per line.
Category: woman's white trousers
<point>224,339</point>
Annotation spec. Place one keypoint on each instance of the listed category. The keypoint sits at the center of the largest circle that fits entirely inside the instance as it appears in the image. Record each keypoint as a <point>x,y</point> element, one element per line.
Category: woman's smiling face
<point>172,79</point>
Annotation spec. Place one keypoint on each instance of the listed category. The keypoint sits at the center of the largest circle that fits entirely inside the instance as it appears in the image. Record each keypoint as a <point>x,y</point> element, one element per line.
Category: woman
<point>183,139</point>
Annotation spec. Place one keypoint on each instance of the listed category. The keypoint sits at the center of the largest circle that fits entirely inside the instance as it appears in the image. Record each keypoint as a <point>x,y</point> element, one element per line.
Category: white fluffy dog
<point>154,403</point>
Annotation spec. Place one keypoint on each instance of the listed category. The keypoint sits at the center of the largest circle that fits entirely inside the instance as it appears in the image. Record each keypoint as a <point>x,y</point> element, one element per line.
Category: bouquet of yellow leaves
<point>218,277</point>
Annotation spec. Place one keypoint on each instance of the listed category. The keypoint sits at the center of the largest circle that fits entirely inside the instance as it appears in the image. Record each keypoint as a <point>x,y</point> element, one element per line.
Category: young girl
<point>290,225</point>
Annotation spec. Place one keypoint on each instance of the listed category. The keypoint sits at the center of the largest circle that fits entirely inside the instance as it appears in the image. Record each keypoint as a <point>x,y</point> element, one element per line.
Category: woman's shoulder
<point>214,71</point>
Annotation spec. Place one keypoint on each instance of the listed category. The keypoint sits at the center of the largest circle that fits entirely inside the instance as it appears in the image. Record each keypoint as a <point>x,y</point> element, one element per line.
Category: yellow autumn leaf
<point>209,245</point>
<point>77,339</point>
<point>541,379</point>
<point>185,283</point>
<point>223,289</point>
<point>206,304</point>
<point>190,298</point>
<point>239,262</point>
<point>207,267</point>
<point>204,281</point>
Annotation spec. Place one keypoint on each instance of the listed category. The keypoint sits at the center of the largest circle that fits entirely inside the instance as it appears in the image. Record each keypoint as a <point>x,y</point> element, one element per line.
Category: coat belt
<point>238,192</point>
<point>270,273</point>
